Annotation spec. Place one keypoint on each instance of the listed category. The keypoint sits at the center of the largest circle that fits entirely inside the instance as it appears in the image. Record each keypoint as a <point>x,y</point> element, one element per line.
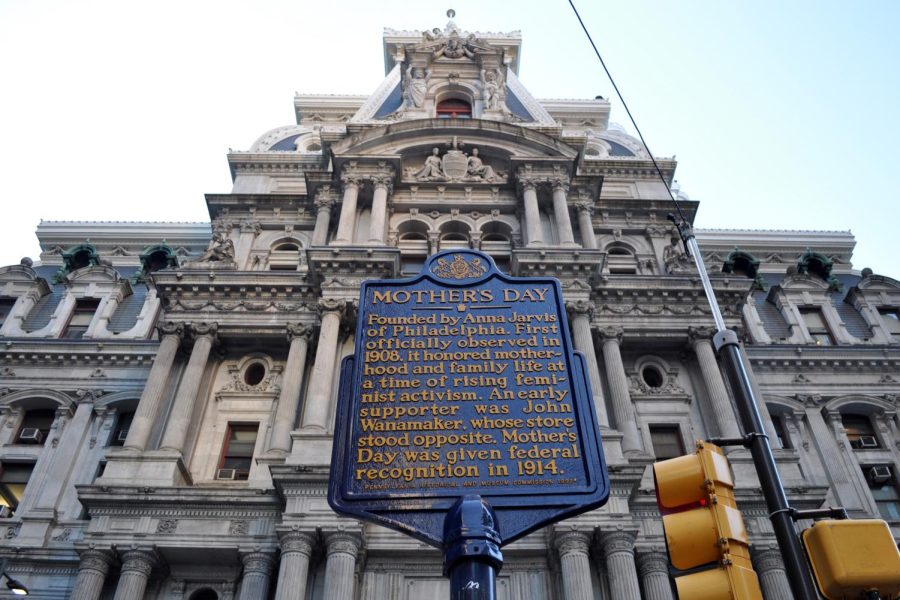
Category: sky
<point>782,115</point>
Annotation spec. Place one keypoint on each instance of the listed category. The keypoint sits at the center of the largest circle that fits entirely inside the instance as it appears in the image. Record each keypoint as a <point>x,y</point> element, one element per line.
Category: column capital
<point>583,206</point>
<point>170,328</point>
<point>572,541</point>
<point>652,561</point>
<point>299,330</point>
<point>615,541</point>
<point>350,179</point>
<point>94,559</point>
<point>325,199</point>
<point>326,305</point>
<point>560,183</point>
<point>258,562</point>
<point>580,307</point>
<point>767,558</point>
<point>139,561</point>
<point>611,334</point>
<point>700,334</point>
<point>383,179</point>
<point>297,541</point>
<point>203,328</point>
<point>526,179</point>
<point>342,542</point>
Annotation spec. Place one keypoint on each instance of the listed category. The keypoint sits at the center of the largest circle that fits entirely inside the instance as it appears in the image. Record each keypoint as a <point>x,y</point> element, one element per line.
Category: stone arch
<point>859,403</point>
<point>739,261</point>
<point>119,401</point>
<point>95,273</point>
<point>299,135</point>
<point>37,399</point>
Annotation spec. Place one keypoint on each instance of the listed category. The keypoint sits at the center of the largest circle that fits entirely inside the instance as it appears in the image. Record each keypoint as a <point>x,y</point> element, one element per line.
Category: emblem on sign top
<point>458,267</point>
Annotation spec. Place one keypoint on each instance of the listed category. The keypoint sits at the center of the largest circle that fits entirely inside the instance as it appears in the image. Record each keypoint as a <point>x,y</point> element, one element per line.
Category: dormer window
<point>82,315</point>
<point>454,108</point>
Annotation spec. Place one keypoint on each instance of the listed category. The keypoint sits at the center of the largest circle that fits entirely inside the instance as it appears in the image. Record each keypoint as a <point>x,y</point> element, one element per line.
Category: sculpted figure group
<point>476,170</point>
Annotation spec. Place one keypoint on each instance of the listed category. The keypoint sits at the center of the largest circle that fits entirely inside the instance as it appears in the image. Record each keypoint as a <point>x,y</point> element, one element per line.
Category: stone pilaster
<point>582,312</point>
<point>136,568</point>
<point>573,547</point>
<point>324,202</point>
<point>617,547</point>
<point>296,550</point>
<point>341,550</point>
<point>289,401</point>
<point>585,212</point>
<point>151,398</point>
<point>62,464</point>
<point>653,566</point>
<point>726,419</point>
<point>92,571</point>
<point>561,212</point>
<point>347,223</point>
<point>257,574</point>
<point>623,410</point>
<point>383,187</point>
<point>318,400</point>
<point>180,417</point>
<point>769,567</point>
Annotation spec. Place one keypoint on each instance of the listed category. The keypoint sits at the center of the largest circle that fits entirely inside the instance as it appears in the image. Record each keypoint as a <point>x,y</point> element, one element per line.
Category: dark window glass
<point>238,452</point>
<point>205,594</point>
<point>882,480</point>
<point>891,319</point>
<point>454,109</point>
<point>254,373</point>
<point>816,326</point>
<point>781,430</point>
<point>6,306</point>
<point>859,431</point>
<point>13,480</point>
<point>652,377</point>
<point>666,440</point>
<point>36,426</point>
<point>81,318</point>
<point>123,424</point>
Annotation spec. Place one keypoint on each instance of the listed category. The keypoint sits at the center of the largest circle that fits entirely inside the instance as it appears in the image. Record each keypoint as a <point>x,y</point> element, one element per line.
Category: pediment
<point>879,283</point>
<point>94,274</point>
<point>17,274</point>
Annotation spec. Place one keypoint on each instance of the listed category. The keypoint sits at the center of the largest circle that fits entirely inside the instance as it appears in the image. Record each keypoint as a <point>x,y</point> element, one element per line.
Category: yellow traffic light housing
<point>850,558</point>
<point>703,525</point>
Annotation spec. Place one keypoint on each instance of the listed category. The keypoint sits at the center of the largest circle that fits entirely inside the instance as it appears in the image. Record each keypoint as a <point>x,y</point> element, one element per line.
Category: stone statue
<point>220,248</point>
<point>416,87</point>
<point>492,89</point>
<point>454,47</point>
<point>432,168</point>
<point>675,259</point>
<point>478,170</point>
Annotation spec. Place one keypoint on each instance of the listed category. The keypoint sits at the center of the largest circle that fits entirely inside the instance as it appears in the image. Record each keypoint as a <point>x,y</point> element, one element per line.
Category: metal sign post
<point>465,417</point>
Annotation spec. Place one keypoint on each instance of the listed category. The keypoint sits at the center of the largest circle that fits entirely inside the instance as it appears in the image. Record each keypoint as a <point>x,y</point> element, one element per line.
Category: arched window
<point>205,594</point>
<point>284,256</point>
<point>621,261</point>
<point>454,108</point>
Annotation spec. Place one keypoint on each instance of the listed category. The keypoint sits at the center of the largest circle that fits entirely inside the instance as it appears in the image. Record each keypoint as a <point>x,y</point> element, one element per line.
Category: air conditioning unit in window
<point>5,512</point>
<point>226,473</point>
<point>31,435</point>
<point>868,441</point>
<point>880,474</point>
<point>122,435</point>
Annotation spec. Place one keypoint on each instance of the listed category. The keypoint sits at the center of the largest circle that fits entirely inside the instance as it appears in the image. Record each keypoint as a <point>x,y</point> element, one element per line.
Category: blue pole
<point>472,555</point>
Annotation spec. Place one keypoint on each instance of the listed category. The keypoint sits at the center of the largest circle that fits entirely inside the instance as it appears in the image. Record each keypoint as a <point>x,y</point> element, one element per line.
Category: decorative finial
<point>451,13</point>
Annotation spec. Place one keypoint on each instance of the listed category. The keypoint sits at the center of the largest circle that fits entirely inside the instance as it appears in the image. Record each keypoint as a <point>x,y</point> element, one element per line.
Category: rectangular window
<point>781,430</point>
<point>860,432</point>
<point>36,426</point>
<point>6,306</point>
<point>13,480</point>
<point>666,440</point>
<point>82,315</point>
<point>891,318</point>
<point>882,480</point>
<point>816,326</point>
<point>121,431</point>
<point>237,456</point>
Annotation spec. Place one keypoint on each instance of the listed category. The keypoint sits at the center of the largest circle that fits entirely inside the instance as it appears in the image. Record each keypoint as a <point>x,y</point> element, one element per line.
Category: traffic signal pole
<point>780,512</point>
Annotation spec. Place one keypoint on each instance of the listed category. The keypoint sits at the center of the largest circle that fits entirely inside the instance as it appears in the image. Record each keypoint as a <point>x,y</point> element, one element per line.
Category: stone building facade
<point>167,391</point>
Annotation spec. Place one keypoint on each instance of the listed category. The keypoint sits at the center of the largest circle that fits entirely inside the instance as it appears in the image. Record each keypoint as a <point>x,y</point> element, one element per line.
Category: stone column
<point>561,212</point>
<point>768,564</point>
<point>148,407</point>
<point>582,312</point>
<point>653,566</point>
<point>618,551</point>
<point>573,547</point>
<point>92,571</point>
<point>726,419</point>
<point>341,550</point>
<point>585,211</point>
<point>318,399</point>
<point>257,573</point>
<point>379,209</point>
<point>623,410</point>
<point>532,212</point>
<point>324,203</point>
<point>291,384</point>
<point>296,550</point>
<point>180,417</point>
<point>347,223</point>
<point>136,568</point>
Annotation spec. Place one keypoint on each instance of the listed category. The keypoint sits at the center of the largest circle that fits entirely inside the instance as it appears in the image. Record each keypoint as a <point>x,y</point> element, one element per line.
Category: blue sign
<point>464,381</point>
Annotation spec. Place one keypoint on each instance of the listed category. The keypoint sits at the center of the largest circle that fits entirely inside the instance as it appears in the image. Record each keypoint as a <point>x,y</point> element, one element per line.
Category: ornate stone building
<point>167,402</point>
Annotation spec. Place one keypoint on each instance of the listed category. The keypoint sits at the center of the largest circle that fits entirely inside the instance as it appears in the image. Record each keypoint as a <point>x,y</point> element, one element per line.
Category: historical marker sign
<point>464,381</point>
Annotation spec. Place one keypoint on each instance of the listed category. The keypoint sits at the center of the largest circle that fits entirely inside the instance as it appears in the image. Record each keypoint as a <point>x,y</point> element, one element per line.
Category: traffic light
<point>703,526</point>
<point>852,558</point>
